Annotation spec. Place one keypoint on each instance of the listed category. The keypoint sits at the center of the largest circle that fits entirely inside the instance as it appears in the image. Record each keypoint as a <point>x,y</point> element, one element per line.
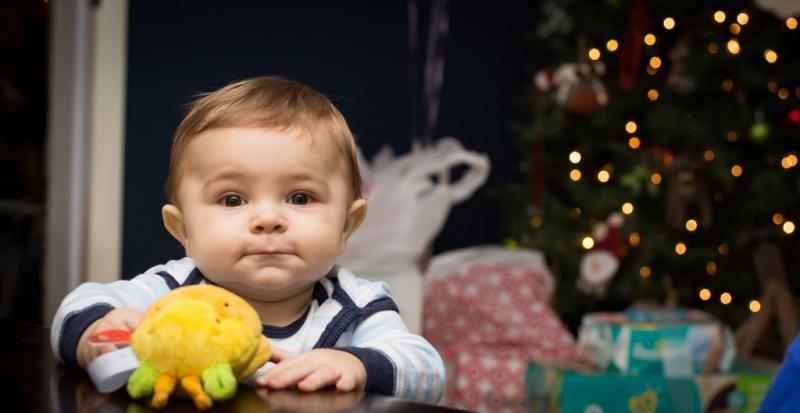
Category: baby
<point>264,191</point>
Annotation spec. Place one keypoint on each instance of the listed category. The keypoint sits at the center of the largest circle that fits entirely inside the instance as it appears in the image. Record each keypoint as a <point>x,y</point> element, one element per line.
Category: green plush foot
<point>142,381</point>
<point>138,408</point>
<point>219,382</point>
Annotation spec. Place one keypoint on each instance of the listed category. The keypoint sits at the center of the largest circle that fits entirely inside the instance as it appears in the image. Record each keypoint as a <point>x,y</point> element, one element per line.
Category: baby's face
<point>264,211</point>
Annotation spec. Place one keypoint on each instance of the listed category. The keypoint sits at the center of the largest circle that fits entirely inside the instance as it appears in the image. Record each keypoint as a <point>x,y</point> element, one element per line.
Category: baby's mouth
<point>268,253</point>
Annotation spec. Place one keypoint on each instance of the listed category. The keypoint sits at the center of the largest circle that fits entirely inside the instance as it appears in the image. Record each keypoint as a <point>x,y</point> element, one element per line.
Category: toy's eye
<point>227,304</point>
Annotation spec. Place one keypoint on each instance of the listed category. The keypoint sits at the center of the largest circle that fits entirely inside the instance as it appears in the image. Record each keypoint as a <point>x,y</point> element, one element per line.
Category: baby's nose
<point>268,219</point>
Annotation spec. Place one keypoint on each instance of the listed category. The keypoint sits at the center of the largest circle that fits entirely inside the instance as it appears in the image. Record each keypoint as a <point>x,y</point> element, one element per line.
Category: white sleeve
<point>417,369</point>
<point>91,301</point>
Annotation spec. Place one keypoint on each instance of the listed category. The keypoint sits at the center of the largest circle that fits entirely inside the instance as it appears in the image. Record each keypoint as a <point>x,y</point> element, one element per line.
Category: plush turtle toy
<point>202,336</point>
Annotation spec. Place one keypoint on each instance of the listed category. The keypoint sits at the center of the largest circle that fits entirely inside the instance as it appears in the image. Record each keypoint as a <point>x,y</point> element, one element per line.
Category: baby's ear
<point>173,222</point>
<point>355,216</point>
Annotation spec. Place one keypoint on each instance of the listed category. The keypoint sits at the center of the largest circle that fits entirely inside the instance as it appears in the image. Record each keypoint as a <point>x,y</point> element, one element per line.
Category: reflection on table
<point>31,380</point>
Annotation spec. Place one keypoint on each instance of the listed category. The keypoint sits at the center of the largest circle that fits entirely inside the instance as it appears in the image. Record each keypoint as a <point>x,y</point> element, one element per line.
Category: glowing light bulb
<point>754,306</point>
<point>727,85</point>
<point>788,227</point>
<point>603,176</point>
<point>708,155</point>
<point>742,18</point>
<point>791,23</point>
<point>652,94</point>
<point>725,298</point>
<point>634,239</point>
<point>723,249</point>
<point>777,219</point>
<point>655,178</point>
<point>594,53</point>
<point>644,272</point>
<point>789,161</point>
<point>711,268</point>
<point>649,39</point>
<point>669,23</point>
<point>735,28</point>
<point>691,225</point>
<point>772,87</point>
<point>575,157</point>
<point>733,46</point>
<point>680,248</point>
<point>631,127</point>
<point>736,171</point>
<point>655,62</point>
<point>612,45</point>
<point>587,243</point>
<point>575,175</point>
<point>627,208</point>
<point>634,142</point>
<point>770,56</point>
<point>705,294</point>
<point>719,16</point>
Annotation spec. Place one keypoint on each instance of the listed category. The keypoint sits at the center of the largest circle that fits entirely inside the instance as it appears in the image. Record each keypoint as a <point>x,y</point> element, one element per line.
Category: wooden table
<point>33,381</point>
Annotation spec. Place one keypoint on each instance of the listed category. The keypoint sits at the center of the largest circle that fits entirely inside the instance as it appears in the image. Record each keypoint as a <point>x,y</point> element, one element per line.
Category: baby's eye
<point>300,198</point>
<point>232,200</point>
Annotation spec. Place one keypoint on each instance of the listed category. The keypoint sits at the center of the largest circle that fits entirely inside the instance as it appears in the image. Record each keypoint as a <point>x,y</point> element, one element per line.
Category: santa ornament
<point>599,265</point>
<point>577,86</point>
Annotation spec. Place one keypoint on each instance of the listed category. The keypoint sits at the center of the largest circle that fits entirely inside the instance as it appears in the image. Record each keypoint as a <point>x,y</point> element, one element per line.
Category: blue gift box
<point>674,343</point>
<point>556,389</point>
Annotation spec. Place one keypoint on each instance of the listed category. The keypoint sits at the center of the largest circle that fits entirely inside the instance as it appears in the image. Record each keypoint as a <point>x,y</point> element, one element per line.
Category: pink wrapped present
<point>486,310</point>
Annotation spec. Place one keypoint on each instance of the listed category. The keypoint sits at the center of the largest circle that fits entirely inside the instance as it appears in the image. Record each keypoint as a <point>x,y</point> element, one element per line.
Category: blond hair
<point>265,102</point>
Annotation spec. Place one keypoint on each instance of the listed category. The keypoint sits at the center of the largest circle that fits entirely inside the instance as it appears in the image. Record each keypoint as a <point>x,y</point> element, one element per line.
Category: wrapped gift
<point>554,389</point>
<point>487,312</point>
<point>671,343</point>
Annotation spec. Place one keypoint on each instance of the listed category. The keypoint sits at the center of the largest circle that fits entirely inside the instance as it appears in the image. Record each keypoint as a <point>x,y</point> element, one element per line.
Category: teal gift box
<point>556,389</point>
<point>674,343</point>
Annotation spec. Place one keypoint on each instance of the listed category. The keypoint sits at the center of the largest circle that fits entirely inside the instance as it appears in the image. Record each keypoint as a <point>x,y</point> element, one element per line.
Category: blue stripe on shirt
<point>351,314</point>
<point>380,369</point>
<point>74,326</point>
<point>169,279</point>
<point>286,331</point>
<point>194,277</point>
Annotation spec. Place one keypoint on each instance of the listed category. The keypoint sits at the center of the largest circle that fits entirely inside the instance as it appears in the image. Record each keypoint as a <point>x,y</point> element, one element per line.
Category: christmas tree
<point>661,155</point>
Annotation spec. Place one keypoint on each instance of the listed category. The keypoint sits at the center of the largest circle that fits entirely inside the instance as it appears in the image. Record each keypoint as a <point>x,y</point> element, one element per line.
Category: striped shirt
<point>346,313</point>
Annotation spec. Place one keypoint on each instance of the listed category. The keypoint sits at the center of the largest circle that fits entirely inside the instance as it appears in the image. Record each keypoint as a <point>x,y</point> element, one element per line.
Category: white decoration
<point>596,270</point>
<point>781,8</point>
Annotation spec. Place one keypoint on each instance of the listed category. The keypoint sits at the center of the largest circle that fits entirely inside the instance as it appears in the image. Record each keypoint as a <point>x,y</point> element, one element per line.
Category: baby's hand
<point>120,318</point>
<point>314,370</point>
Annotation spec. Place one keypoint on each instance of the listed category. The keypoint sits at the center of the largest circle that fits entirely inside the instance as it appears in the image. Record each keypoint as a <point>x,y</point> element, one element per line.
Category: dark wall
<point>354,51</point>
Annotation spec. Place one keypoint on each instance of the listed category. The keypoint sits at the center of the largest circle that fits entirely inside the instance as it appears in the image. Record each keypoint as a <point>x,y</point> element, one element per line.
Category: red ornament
<point>794,115</point>
<point>631,49</point>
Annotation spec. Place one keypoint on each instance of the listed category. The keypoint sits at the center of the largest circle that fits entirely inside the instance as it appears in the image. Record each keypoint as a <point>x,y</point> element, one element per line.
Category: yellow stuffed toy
<point>202,336</point>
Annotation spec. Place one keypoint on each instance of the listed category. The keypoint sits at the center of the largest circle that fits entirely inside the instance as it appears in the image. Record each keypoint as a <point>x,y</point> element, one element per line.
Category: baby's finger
<point>285,374</point>
<point>125,318</point>
<point>98,350</point>
<point>132,322</point>
<point>346,383</point>
<point>318,379</point>
<point>279,354</point>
